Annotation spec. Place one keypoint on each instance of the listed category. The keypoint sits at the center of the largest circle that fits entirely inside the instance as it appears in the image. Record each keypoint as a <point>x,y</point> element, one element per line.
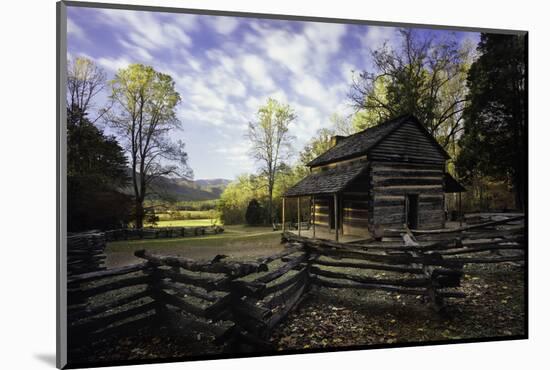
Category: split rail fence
<point>239,304</point>
<point>161,232</point>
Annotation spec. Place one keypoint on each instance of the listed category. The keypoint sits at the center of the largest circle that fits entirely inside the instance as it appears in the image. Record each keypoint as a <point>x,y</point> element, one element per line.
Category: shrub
<point>255,214</point>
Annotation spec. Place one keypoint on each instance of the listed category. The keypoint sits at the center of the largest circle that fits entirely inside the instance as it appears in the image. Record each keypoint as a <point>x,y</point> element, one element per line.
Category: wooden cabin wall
<point>355,202</point>
<point>392,181</point>
<point>355,214</point>
<point>322,209</point>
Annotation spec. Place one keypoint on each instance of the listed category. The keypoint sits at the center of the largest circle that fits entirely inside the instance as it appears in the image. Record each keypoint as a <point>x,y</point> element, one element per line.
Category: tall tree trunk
<point>270,202</point>
<point>139,214</point>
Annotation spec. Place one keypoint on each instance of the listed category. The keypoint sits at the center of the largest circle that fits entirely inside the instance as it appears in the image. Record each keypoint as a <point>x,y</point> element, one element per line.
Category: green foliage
<point>493,144</point>
<point>270,139</point>
<point>255,213</point>
<point>96,171</point>
<point>423,76</point>
<point>317,145</point>
<point>236,196</point>
<point>144,113</point>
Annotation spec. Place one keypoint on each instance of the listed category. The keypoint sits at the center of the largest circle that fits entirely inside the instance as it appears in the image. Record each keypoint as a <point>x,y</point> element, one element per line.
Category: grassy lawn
<point>237,241</point>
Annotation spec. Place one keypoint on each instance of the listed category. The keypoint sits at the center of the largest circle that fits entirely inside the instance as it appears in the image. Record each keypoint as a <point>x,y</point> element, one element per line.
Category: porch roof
<point>326,182</point>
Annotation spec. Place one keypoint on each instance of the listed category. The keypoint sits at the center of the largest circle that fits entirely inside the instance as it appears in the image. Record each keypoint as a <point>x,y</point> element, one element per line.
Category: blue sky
<point>226,67</point>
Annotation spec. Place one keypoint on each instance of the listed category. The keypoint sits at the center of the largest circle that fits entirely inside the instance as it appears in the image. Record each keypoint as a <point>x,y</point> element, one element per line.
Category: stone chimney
<point>336,139</point>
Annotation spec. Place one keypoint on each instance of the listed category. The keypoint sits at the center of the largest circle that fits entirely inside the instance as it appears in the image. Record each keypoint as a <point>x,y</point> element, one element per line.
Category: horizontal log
<point>388,165</point>
<point>483,248</point>
<point>284,253</point>
<point>339,250</point>
<point>84,311</point>
<point>502,259</point>
<point>207,283</point>
<point>283,296</point>
<point>282,270</point>
<point>125,329</point>
<point>181,303</point>
<point>405,189</point>
<point>103,322</point>
<point>283,284</point>
<point>97,275</point>
<point>190,290</point>
<point>87,292</point>
<point>234,269</point>
<point>369,266</point>
<point>464,228</point>
<point>398,181</point>
<point>411,173</point>
<point>412,282</point>
<point>346,284</point>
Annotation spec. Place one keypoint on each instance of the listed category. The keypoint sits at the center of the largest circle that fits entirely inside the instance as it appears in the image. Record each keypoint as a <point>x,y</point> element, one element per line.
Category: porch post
<point>283,214</point>
<point>313,216</point>
<point>460,208</point>
<point>336,224</point>
<point>299,218</point>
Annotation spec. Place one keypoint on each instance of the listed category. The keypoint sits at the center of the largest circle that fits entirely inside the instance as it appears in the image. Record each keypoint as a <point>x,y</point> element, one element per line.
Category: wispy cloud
<point>225,68</point>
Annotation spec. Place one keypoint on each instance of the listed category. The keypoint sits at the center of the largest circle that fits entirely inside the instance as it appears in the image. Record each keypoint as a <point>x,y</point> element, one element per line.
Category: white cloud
<point>238,152</point>
<point>74,30</point>
<point>136,50</point>
<point>146,30</point>
<point>257,71</point>
<point>224,25</point>
<point>376,36</point>
<point>188,22</point>
<point>113,64</point>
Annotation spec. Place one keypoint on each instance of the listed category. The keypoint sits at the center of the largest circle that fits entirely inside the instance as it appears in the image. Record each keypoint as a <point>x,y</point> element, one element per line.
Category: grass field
<point>237,242</point>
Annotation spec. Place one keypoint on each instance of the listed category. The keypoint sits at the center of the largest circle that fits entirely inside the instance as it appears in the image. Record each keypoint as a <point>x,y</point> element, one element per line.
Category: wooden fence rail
<point>240,303</point>
<point>161,232</point>
<point>85,252</point>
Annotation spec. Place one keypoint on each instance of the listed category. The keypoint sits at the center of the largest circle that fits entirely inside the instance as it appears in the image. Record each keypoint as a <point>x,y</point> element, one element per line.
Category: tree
<point>145,102</point>
<point>236,196</point>
<point>96,164</point>
<point>494,139</point>
<point>254,213</point>
<point>96,175</point>
<point>424,76</point>
<point>84,81</point>
<point>271,139</point>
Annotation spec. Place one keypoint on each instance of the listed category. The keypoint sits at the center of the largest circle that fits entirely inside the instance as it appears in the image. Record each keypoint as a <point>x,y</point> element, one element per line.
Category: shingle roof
<point>451,185</point>
<point>360,142</point>
<point>326,182</point>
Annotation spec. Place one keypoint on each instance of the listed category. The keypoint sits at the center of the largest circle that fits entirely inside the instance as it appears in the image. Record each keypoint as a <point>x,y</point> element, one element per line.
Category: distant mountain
<point>177,189</point>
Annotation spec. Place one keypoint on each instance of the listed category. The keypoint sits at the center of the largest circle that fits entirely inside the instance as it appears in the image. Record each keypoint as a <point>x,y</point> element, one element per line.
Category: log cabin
<point>378,178</point>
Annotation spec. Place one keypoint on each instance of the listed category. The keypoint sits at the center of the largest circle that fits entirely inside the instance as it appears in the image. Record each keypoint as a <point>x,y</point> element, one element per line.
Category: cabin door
<point>411,210</point>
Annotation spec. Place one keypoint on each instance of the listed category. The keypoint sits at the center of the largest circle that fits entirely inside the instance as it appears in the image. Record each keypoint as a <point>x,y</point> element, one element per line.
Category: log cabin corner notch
<point>378,178</point>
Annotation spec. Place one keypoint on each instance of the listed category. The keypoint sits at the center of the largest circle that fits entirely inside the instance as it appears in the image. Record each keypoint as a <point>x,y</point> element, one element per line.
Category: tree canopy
<point>270,139</point>
<point>494,141</point>
<point>423,76</point>
<point>145,112</point>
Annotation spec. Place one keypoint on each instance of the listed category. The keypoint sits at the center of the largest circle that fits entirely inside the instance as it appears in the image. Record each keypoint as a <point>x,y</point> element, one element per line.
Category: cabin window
<point>411,210</point>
